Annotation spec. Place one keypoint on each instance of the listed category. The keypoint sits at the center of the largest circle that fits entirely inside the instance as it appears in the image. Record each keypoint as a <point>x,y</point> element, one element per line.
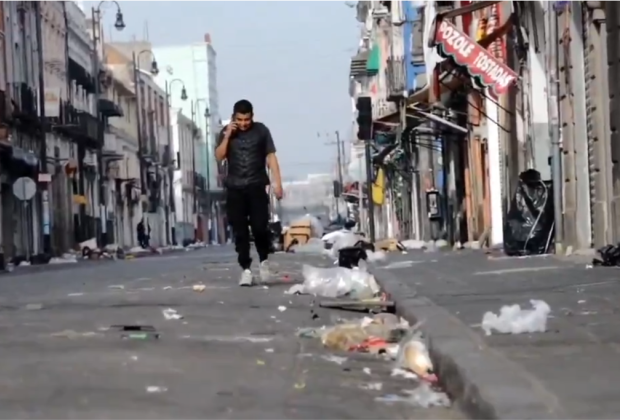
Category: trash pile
<point>393,339</point>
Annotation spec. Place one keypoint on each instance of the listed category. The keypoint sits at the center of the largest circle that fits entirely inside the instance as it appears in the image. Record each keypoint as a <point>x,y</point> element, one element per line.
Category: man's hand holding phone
<point>230,129</point>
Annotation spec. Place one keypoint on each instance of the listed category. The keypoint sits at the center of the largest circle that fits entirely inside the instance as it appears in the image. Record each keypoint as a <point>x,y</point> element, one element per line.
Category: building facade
<point>185,136</point>
<point>21,223</point>
<point>196,66</point>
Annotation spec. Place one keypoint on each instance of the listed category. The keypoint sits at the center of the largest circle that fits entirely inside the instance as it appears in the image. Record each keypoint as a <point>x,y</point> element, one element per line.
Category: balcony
<point>396,77</point>
<point>26,110</point>
<point>80,126</point>
<point>109,109</point>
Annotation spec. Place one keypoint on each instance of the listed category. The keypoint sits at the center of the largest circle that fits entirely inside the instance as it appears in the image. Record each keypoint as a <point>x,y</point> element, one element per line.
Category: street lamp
<point>208,168</point>
<point>154,71</point>
<point>171,204</point>
<point>119,24</point>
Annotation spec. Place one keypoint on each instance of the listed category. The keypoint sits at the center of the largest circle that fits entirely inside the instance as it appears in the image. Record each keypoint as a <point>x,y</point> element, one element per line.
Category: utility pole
<point>47,245</point>
<point>139,124</point>
<point>168,186</point>
<point>551,54</point>
<point>371,204</point>
<point>337,143</point>
<point>96,15</point>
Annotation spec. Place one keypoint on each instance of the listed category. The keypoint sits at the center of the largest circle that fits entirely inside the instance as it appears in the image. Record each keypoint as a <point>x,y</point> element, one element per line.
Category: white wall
<point>196,66</point>
<point>183,174</point>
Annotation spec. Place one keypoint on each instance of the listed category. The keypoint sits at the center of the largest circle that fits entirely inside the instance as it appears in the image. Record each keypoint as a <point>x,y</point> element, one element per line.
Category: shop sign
<point>480,63</point>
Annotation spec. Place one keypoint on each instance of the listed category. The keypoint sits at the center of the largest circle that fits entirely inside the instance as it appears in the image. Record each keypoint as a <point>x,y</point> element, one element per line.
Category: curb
<point>483,383</point>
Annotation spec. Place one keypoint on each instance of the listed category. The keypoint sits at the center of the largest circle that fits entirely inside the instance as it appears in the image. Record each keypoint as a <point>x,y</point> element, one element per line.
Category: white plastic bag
<point>514,320</point>
<point>376,256</point>
<point>313,246</point>
<point>338,282</point>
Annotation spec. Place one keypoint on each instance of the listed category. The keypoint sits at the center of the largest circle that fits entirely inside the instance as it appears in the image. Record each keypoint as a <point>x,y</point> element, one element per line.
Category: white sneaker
<point>246,278</point>
<point>264,272</point>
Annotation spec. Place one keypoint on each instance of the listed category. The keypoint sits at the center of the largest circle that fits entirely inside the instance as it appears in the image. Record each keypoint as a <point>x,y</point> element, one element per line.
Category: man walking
<point>247,146</point>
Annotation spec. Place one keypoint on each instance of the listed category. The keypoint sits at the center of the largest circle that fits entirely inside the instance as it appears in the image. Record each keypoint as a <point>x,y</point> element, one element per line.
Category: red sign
<point>479,62</point>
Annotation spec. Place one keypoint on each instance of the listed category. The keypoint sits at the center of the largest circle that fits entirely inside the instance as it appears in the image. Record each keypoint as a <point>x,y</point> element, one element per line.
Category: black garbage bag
<point>350,256</point>
<point>277,239</point>
<point>610,256</point>
<point>528,226</point>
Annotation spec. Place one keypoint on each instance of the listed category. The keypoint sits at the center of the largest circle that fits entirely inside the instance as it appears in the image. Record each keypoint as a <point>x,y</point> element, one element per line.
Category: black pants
<point>245,208</point>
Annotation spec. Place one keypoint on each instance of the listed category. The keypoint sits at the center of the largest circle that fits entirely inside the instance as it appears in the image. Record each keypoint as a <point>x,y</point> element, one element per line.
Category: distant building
<point>195,65</point>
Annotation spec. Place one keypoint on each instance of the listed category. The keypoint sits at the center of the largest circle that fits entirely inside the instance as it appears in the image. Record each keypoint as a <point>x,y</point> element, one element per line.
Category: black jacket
<point>246,155</point>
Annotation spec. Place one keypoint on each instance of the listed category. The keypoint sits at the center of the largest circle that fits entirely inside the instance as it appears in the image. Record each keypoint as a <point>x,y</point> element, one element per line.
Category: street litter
<point>372,386</point>
<point>398,372</point>
<point>369,335</point>
<point>337,282</point>
<point>423,396</point>
<point>413,355</point>
<point>376,256</point>
<point>367,371</point>
<point>609,256</point>
<point>260,362</point>
<point>156,389</point>
<point>335,359</point>
<point>171,314</point>
<point>117,287</point>
<point>313,246</point>
<point>268,350</point>
<point>514,320</point>
<point>199,288</point>
<point>400,264</point>
<point>413,244</point>
<point>281,308</point>
<point>372,305</point>
<point>64,259</point>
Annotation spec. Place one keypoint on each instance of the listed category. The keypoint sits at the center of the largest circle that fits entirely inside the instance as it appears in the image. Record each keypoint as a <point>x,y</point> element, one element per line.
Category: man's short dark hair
<point>243,107</point>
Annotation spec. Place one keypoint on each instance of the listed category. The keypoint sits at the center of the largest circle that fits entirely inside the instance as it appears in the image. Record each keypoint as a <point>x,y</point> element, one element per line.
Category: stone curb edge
<point>482,381</point>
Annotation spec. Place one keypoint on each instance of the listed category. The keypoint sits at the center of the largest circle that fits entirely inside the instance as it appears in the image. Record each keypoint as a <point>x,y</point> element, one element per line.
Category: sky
<point>289,58</point>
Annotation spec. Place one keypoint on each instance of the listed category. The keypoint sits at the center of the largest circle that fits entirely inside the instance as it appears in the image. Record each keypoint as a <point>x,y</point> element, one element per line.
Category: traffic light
<point>364,117</point>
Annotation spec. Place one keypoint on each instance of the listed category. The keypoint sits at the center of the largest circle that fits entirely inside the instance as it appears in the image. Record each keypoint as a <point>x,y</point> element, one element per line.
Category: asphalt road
<point>233,355</point>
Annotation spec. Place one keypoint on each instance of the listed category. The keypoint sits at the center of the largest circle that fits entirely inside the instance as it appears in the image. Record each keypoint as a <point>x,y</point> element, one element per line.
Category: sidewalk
<point>571,371</point>
<point>81,263</point>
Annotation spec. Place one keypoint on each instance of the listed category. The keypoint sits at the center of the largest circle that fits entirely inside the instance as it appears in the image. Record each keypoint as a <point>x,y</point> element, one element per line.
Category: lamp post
<point>119,24</point>
<point>194,189</point>
<point>171,204</point>
<point>154,71</point>
<point>207,116</point>
<point>208,168</point>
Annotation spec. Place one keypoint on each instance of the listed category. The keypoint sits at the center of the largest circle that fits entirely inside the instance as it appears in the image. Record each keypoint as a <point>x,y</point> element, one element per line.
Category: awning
<point>423,95</point>
<point>474,58</point>
<point>374,60</point>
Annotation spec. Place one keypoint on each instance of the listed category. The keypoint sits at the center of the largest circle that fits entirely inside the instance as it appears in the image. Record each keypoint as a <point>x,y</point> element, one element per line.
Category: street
<point>234,353</point>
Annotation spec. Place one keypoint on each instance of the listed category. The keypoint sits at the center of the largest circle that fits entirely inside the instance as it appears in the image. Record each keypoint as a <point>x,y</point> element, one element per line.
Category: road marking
<point>517,270</point>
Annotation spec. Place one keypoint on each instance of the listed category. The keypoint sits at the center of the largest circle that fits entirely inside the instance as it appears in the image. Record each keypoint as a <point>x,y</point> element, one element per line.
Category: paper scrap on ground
<point>514,320</point>
<point>171,314</point>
